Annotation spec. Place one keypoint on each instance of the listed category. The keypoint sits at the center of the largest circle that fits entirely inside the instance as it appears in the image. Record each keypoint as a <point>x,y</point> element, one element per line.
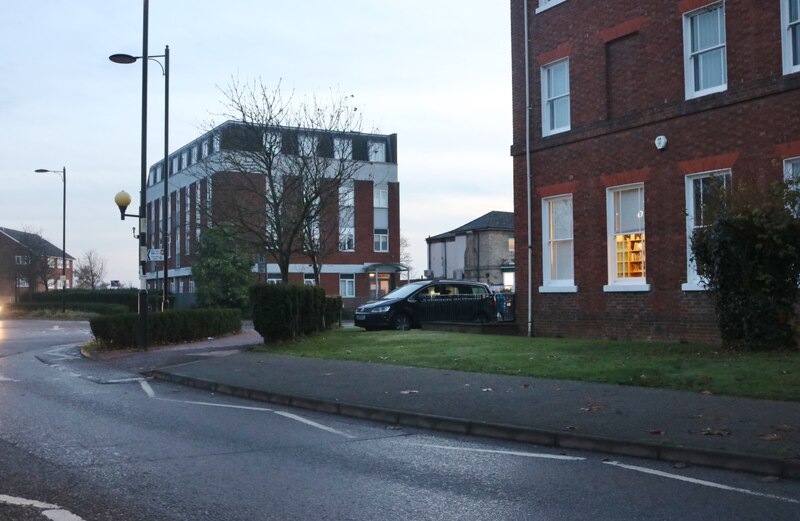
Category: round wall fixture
<point>661,142</point>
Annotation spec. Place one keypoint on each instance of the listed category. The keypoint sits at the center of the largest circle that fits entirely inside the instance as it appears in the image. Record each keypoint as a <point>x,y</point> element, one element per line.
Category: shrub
<point>750,260</point>
<point>87,307</point>
<point>287,312</point>
<point>169,327</point>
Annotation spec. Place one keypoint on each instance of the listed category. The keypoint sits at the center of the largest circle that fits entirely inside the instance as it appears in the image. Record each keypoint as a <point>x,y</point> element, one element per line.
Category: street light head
<point>122,58</point>
<point>123,200</point>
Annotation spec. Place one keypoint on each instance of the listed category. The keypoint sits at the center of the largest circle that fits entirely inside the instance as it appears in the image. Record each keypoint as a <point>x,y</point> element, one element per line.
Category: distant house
<point>481,250</point>
<point>25,260</point>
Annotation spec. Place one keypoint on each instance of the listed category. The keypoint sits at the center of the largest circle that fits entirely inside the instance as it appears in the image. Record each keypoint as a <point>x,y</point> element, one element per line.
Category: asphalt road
<point>88,440</point>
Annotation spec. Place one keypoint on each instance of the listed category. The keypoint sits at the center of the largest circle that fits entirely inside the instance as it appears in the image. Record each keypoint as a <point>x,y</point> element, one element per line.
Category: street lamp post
<point>63,174</point>
<point>128,59</point>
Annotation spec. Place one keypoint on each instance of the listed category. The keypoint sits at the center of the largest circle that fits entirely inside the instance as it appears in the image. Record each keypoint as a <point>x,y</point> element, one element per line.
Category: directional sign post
<point>155,254</point>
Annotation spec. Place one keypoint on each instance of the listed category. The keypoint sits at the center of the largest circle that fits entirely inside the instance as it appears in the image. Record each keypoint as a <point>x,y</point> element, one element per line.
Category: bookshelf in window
<point>630,255</point>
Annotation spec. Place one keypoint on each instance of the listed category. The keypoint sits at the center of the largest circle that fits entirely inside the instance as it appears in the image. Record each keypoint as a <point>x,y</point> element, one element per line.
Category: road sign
<point>155,254</point>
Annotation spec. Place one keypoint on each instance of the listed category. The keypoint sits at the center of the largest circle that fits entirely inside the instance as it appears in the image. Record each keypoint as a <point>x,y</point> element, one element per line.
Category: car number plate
<point>360,317</point>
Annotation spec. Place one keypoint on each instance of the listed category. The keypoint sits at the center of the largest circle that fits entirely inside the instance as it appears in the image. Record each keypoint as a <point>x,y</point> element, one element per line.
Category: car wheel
<point>401,322</point>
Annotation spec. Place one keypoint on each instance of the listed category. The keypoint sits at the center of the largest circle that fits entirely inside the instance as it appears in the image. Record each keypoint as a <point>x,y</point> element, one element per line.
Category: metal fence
<point>467,308</point>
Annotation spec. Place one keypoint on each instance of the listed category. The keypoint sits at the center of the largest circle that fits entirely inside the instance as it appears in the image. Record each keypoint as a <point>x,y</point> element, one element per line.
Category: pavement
<point>760,436</point>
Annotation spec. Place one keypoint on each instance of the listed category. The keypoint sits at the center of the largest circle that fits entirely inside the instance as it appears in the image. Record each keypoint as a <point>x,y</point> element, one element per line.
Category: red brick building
<point>365,222</point>
<point>25,260</point>
<point>637,112</point>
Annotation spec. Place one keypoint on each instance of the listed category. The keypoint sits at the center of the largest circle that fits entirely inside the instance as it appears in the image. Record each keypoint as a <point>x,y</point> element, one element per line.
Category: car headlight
<point>380,309</point>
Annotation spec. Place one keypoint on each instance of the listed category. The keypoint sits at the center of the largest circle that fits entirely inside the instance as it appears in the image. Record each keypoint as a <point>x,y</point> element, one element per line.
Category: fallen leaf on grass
<point>709,431</point>
<point>706,393</point>
<point>592,407</point>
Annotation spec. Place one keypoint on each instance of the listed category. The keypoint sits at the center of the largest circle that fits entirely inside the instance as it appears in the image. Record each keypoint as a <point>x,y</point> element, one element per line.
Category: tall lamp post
<point>63,175</point>
<point>128,59</point>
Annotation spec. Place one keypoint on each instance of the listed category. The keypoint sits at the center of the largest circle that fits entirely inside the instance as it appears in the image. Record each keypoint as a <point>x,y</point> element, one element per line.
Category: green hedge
<point>87,307</point>
<point>287,312</point>
<point>126,297</point>
<point>169,327</point>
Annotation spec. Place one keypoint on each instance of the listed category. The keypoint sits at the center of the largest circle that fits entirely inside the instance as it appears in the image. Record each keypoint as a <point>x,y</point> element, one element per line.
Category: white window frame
<point>548,98</point>
<point>380,197</point>
<point>550,284</point>
<point>308,279</point>
<point>347,285</point>
<point>791,174</point>
<point>690,57</point>
<point>544,5</point>
<point>381,241</point>
<point>347,239</point>
<point>788,28</point>
<point>274,278</point>
<point>693,281</point>
<point>377,151</point>
<point>616,283</point>
<point>342,148</point>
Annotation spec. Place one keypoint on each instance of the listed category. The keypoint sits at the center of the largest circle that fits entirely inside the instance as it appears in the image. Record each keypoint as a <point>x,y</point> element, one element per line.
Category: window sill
<point>558,289</point>
<point>548,5</point>
<point>693,286</point>
<point>625,288</point>
<point>555,132</point>
<point>690,95</point>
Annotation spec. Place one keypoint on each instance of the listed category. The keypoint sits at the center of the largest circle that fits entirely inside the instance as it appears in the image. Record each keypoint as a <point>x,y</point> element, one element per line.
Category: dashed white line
<point>147,389</point>
<point>4,379</point>
<point>312,423</point>
<point>506,452</point>
<point>700,482</point>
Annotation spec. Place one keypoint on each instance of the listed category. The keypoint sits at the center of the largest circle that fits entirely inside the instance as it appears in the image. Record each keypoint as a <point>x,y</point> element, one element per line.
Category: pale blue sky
<point>436,72</point>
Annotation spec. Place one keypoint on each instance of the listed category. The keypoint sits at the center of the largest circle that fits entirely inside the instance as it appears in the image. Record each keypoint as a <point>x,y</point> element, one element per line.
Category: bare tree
<point>90,270</point>
<point>285,164</point>
<point>405,254</point>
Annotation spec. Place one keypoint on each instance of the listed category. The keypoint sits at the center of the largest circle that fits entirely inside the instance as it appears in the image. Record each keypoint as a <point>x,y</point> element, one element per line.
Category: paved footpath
<point>759,436</point>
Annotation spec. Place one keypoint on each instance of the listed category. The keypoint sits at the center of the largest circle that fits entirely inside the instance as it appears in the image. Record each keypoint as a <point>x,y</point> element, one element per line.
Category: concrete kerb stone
<point>789,469</point>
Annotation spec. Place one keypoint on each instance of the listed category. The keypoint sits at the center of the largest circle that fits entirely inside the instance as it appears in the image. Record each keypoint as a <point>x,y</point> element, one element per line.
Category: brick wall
<point>626,88</point>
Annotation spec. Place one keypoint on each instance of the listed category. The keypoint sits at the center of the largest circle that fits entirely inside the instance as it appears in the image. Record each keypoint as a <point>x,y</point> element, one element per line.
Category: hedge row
<point>287,312</point>
<point>87,307</point>
<point>169,327</point>
<point>127,297</point>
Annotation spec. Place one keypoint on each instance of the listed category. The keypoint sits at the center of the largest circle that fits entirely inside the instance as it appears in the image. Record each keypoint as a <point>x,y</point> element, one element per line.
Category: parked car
<point>429,301</point>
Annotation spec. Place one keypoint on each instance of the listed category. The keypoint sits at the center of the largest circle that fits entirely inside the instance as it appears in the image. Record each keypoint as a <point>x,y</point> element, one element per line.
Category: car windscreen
<point>403,292</point>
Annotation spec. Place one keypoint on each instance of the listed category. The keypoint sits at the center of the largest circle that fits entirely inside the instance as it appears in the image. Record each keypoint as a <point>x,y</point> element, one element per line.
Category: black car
<point>429,301</point>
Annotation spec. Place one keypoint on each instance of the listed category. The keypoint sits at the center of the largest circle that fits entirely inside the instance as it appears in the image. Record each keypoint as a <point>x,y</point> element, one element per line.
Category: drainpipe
<point>528,168</point>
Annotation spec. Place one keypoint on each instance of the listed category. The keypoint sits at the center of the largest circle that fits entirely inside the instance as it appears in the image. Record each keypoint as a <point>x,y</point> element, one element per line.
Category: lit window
<point>347,285</point>
<point>557,244</point>
<point>705,66</point>
<point>706,198</point>
<point>555,98</point>
<point>382,240</point>
<point>626,239</point>
<point>790,35</point>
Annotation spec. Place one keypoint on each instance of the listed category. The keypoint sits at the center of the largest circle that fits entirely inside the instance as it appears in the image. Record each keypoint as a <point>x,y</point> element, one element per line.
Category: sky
<point>436,72</point>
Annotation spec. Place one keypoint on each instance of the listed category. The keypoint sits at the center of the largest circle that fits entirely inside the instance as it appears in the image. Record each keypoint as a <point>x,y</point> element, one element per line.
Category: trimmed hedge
<point>170,327</point>
<point>287,312</point>
<point>127,297</point>
<point>88,307</point>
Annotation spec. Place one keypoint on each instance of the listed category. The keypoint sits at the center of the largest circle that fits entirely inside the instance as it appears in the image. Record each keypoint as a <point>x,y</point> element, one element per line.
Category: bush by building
<point>287,312</point>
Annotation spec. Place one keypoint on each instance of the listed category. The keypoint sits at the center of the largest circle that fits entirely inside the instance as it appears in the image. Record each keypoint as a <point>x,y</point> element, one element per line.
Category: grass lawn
<point>687,367</point>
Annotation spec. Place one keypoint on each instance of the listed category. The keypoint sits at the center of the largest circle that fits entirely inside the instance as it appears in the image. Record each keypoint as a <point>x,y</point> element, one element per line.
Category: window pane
<point>794,10</point>
<point>562,263</point>
<point>561,219</point>
<point>706,30</point>
<point>710,195</point>
<point>629,210</point>
<point>795,44</point>
<point>709,69</point>
<point>559,113</point>
<point>557,80</point>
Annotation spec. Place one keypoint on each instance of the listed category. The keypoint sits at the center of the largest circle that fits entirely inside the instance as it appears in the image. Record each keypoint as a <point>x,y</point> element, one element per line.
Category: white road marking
<point>152,394</point>
<point>311,423</point>
<point>700,482</point>
<point>147,389</point>
<point>506,452</point>
<point>52,512</point>
<point>4,379</point>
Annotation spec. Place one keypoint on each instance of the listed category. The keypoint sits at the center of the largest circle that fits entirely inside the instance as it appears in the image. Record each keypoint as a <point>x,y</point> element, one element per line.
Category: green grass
<point>687,367</point>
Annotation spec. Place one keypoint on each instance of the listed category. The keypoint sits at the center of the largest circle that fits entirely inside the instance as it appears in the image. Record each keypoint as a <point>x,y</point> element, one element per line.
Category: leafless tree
<point>405,253</point>
<point>37,259</point>
<point>90,270</point>
<point>285,168</point>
